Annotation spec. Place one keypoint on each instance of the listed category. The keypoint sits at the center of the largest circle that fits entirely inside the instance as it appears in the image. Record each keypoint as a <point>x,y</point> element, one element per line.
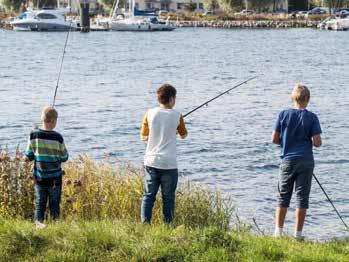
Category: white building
<point>168,5</point>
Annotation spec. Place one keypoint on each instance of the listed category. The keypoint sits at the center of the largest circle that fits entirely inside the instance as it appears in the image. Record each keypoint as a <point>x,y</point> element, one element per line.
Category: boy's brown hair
<point>165,92</point>
<point>300,94</point>
<point>49,114</point>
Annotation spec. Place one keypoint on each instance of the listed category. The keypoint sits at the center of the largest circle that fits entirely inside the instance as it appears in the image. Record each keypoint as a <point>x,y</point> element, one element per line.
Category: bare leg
<point>280,215</point>
<point>300,217</point>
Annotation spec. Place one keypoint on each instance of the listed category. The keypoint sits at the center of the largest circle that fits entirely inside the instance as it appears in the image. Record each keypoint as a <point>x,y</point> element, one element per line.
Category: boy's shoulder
<point>158,109</point>
<point>49,135</point>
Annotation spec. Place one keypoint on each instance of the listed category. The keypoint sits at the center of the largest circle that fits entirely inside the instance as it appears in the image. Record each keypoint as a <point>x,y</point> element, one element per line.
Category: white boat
<point>337,23</point>
<point>141,24</point>
<point>136,20</point>
<point>43,20</point>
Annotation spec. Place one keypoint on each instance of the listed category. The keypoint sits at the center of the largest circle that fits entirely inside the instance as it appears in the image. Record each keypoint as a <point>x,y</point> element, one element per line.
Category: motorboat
<point>43,20</point>
<point>337,23</point>
<point>137,20</point>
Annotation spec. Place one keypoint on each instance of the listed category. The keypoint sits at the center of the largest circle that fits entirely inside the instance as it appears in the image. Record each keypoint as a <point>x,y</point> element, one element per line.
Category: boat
<point>340,23</point>
<point>137,20</point>
<point>43,20</point>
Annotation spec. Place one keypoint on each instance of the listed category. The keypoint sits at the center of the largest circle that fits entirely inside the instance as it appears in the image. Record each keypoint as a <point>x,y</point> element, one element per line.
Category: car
<point>344,12</point>
<point>245,12</point>
<point>207,13</point>
<point>163,13</point>
<point>317,11</point>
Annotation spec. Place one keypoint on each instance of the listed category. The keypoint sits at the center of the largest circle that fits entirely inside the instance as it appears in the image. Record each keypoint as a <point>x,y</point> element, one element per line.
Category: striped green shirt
<point>48,150</point>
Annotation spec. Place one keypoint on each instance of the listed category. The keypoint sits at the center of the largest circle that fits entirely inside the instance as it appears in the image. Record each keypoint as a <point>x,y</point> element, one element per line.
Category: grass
<point>121,240</point>
<point>100,222</point>
<point>100,190</point>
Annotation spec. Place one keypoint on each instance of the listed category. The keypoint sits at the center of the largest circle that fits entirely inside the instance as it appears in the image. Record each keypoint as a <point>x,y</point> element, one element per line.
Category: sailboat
<point>137,20</point>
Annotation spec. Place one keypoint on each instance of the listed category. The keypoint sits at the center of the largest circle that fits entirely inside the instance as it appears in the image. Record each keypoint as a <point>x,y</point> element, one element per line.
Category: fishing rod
<point>221,94</point>
<point>61,67</point>
<point>329,200</point>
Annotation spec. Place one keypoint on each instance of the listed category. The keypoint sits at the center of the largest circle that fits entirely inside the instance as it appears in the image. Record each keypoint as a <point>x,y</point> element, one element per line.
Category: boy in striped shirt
<point>47,149</point>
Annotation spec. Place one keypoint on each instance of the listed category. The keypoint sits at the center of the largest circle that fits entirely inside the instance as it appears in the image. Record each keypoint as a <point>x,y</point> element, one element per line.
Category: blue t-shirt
<point>296,128</point>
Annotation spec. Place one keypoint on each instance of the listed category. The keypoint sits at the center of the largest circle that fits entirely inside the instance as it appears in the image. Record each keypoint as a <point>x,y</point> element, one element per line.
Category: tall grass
<point>99,190</point>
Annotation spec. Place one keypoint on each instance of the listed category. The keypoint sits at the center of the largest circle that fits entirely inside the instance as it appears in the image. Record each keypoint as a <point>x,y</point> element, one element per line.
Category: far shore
<point>217,21</point>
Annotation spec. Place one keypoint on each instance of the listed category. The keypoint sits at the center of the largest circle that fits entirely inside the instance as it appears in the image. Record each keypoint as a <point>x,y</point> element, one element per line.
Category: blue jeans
<point>44,194</point>
<point>295,174</point>
<point>167,179</point>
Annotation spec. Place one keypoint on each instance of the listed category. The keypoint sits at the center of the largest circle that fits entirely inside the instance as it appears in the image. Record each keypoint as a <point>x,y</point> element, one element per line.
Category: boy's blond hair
<point>300,94</point>
<point>48,114</point>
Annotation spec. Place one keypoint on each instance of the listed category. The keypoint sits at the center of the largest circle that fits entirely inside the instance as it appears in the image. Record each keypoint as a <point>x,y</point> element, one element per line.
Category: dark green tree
<point>231,5</point>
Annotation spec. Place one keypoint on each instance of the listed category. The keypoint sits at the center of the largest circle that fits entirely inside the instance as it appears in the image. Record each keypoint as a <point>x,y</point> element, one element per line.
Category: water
<point>109,80</point>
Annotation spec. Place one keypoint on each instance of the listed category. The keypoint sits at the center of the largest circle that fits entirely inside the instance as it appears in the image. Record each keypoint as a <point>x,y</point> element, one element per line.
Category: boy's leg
<point>151,187</point>
<point>169,180</point>
<point>285,188</point>
<point>41,195</point>
<point>54,201</point>
<point>303,186</point>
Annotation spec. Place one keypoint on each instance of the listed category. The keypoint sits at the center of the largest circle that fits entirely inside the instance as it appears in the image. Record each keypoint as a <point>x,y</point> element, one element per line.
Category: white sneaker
<point>39,225</point>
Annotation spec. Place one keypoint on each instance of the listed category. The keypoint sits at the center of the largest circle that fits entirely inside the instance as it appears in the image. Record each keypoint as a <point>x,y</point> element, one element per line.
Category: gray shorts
<point>297,174</point>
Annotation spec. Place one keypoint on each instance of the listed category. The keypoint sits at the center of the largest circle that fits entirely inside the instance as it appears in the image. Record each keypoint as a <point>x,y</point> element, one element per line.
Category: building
<point>168,5</point>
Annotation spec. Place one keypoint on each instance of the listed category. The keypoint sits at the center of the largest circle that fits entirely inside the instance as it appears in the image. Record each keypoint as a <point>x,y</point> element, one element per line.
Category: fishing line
<point>61,66</point>
<point>329,200</point>
<point>221,94</point>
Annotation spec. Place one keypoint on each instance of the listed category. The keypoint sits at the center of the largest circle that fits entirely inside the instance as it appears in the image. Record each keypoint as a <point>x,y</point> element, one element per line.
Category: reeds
<point>100,190</point>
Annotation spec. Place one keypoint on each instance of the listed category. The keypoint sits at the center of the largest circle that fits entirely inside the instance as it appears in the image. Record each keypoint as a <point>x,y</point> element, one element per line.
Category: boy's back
<point>296,128</point>
<point>48,150</point>
<point>163,125</point>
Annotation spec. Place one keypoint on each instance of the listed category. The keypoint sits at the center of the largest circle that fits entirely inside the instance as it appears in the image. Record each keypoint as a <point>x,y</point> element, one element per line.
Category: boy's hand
<point>275,137</point>
<point>26,159</point>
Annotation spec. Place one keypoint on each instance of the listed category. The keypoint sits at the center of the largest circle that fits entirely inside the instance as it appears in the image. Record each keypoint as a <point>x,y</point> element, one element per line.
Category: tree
<point>231,5</point>
<point>191,6</point>
<point>211,5</point>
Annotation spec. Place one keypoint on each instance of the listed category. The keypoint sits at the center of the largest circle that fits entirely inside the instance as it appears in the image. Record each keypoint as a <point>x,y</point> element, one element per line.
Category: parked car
<point>245,12</point>
<point>344,12</point>
<point>298,14</point>
<point>207,13</point>
<point>317,11</point>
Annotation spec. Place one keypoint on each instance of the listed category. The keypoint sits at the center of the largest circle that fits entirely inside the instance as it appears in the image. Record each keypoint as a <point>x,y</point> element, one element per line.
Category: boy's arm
<point>275,137</point>
<point>317,141</point>
<point>316,132</point>
<point>181,129</point>
<point>145,128</point>
<point>64,153</point>
<point>29,154</point>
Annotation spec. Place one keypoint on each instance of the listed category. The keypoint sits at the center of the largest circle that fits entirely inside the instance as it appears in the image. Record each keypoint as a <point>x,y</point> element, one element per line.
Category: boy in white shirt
<point>159,129</point>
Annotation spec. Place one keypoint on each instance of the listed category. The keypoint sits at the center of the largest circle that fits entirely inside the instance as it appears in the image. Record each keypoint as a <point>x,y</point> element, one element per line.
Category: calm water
<point>109,80</point>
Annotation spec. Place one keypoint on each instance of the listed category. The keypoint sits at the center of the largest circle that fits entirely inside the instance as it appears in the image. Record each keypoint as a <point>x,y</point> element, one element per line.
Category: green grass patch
<point>120,240</point>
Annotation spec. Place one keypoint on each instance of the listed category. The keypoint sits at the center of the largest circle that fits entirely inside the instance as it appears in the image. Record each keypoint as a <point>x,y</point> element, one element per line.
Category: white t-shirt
<point>159,128</point>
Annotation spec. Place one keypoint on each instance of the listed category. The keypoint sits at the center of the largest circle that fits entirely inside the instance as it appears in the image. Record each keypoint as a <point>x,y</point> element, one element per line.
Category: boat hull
<point>140,27</point>
<point>41,26</point>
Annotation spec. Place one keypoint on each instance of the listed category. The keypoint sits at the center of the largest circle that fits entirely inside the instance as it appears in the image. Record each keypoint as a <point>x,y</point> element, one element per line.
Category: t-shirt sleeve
<point>29,150</point>
<point>181,129</point>
<point>316,128</point>
<point>145,128</point>
<point>277,125</point>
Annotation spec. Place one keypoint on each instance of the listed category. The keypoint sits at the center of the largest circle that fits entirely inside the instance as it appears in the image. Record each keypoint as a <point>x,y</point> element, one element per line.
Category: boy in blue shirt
<point>296,130</point>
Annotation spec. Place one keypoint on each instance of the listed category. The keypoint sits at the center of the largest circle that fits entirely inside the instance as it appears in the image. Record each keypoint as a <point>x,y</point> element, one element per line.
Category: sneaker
<point>300,239</point>
<point>39,225</point>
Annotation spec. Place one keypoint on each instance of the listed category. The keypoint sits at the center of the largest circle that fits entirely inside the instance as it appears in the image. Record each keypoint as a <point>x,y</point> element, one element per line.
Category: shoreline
<point>265,23</point>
